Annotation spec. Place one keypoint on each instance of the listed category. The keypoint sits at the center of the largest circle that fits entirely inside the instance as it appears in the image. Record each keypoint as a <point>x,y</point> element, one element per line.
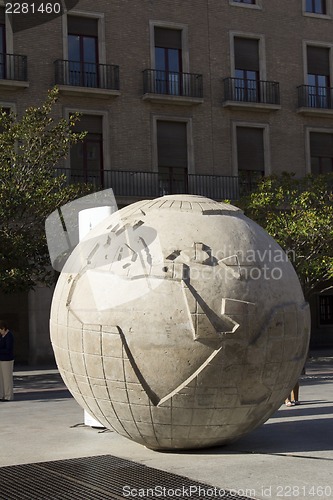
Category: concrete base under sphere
<point>179,323</point>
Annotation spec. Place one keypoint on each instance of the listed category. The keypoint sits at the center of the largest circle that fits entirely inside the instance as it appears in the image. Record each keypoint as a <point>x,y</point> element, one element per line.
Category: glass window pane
<point>2,52</point>
<point>326,165</point>
<point>73,47</point>
<point>173,60</point>
<point>251,75</point>
<point>76,157</point>
<point>239,73</point>
<point>322,80</point>
<point>89,49</point>
<point>160,59</point>
<point>311,79</point>
<point>319,6</point>
<point>93,156</point>
<point>315,168</point>
<point>326,309</point>
<point>309,6</point>
<point>2,39</point>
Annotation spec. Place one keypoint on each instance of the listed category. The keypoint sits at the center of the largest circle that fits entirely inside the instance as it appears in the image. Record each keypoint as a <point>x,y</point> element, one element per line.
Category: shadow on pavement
<point>39,387</point>
<point>305,409</point>
<point>44,395</point>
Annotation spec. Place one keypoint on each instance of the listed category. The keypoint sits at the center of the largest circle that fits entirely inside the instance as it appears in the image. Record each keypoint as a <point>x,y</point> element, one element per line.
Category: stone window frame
<point>257,5</point>
<point>105,132</point>
<point>101,32</point>
<point>261,47</point>
<point>266,139</point>
<point>174,26</point>
<point>308,130</point>
<point>315,43</point>
<point>189,136</point>
<point>328,15</point>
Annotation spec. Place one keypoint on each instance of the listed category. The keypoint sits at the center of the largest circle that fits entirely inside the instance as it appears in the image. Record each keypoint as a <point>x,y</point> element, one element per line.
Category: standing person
<point>292,399</point>
<point>6,362</point>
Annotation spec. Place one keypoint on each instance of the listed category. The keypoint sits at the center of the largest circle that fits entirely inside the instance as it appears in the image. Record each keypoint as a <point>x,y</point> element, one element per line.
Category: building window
<point>83,51</point>
<point>251,2</point>
<point>168,61</point>
<point>172,157</point>
<point>318,76</point>
<point>316,6</point>
<point>250,156</point>
<point>2,44</point>
<point>321,151</point>
<point>246,84</point>
<point>326,309</point>
<point>86,158</point>
<point>4,109</point>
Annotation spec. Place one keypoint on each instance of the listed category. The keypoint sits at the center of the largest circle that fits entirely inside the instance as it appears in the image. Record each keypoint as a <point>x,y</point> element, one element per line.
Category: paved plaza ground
<point>290,456</point>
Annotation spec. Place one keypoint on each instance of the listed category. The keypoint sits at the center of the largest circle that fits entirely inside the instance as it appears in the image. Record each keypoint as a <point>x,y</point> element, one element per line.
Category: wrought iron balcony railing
<point>172,83</point>
<point>152,184</point>
<point>251,91</point>
<point>13,67</point>
<point>313,96</point>
<point>82,74</point>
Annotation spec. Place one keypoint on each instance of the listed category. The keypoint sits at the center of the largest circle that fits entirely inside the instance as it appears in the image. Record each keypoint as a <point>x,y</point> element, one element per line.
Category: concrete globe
<point>179,323</point>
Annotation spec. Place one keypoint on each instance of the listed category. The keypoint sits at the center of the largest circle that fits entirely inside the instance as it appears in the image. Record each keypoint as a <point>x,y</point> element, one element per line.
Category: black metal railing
<point>82,74</point>
<point>172,83</point>
<point>13,67</point>
<point>313,96</point>
<point>213,186</point>
<point>256,91</point>
<point>248,180</point>
<point>152,184</point>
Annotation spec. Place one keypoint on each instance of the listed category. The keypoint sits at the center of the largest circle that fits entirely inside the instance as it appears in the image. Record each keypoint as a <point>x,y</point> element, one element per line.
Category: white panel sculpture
<point>179,323</point>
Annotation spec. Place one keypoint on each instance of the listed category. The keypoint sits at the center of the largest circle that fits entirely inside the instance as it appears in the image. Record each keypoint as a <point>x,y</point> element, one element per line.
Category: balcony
<point>134,184</point>
<point>257,95</point>
<point>13,71</point>
<point>314,100</point>
<point>170,87</point>
<point>87,79</point>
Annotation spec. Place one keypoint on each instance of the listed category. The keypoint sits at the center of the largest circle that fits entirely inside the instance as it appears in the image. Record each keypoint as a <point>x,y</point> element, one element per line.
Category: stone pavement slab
<point>290,456</point>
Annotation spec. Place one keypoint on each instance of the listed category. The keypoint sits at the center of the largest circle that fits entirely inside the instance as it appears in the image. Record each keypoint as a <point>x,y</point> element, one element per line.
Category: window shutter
<point>90,123</point>
<point>246,53</point>
<point>168,38</point>
<point>321,144</point>
<point>2,15</point>
<point>250,148</point>
<point>172,144</point>
<point>318,60</point>
<point>82,26</point>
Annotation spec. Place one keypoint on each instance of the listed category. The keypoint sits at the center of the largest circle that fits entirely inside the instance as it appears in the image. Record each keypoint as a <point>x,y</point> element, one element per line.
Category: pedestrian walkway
<point>290,456</point>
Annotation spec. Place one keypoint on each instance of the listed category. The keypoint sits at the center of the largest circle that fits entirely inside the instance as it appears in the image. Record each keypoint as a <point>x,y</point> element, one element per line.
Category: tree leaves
<point>298,213</point>
<point>30,149</point>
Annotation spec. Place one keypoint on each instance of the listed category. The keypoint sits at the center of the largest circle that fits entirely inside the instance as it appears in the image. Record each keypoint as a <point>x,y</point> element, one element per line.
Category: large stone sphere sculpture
<point>179,323</point>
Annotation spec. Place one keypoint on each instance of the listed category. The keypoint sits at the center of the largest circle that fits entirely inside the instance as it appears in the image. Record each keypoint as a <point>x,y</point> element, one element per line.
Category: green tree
<point>298,214</point>
<point>30,149</point>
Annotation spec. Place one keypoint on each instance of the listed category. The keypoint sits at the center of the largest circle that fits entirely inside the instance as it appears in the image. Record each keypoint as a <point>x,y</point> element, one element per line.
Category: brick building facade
<point>198,96</point>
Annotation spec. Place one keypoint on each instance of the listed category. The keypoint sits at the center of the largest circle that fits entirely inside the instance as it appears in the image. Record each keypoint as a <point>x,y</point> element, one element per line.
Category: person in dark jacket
<point>6,362</point>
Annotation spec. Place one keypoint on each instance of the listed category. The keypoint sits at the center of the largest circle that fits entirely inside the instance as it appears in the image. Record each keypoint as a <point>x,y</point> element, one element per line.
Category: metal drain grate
<point>100,478</point>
